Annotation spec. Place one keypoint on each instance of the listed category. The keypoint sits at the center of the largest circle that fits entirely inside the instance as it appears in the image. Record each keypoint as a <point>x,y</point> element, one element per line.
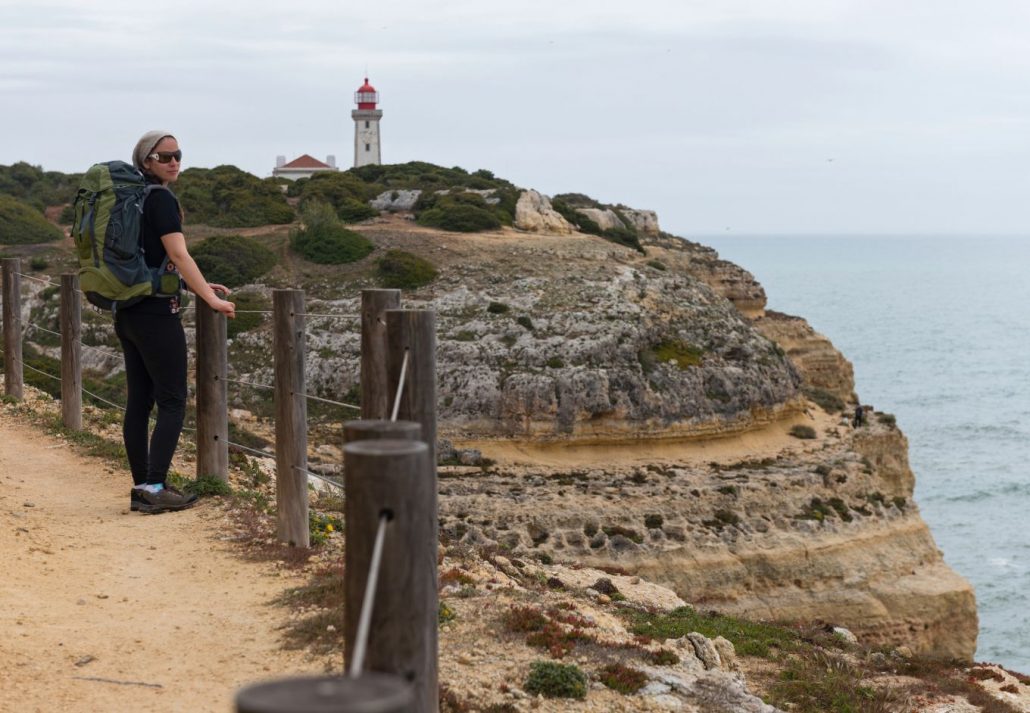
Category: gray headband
<point>145,146</point>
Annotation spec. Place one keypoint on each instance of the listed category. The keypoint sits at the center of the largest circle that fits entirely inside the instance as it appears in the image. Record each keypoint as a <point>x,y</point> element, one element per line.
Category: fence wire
<point>365,620</point>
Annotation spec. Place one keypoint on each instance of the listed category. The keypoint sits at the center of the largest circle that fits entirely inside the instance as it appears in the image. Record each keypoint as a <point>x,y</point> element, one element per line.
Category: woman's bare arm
<point>175,246</point>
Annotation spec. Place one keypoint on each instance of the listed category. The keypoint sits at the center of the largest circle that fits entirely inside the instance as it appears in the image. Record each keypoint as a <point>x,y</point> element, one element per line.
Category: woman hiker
<point>152,336</point>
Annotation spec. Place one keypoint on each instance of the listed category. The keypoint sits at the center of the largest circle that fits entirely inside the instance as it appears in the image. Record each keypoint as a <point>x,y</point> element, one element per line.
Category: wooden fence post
<point>291,416</point>
<point>212,402</point>
<point>381,430</point>
<point>413,332</point>
<point>13,372</point>
<point>395,478</point>
<point>375,390</point>
<point>71,352</point>
<point>371,693</point>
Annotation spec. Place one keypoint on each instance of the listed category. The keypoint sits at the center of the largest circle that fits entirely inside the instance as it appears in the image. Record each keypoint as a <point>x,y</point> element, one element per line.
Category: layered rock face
<point>639,372</point>
<point>823,368</point>
<point>821,534</point>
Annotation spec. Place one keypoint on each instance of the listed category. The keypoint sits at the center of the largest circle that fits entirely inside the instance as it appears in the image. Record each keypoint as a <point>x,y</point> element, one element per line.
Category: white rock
<point>534,213</point>
<point>605,219</point>
<point>394,201</point>
<point>845,634</point>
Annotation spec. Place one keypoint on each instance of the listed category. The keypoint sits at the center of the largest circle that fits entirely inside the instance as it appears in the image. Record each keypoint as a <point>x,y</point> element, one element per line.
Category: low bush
<point>247,318</point>
<point>21,224</point>
<point>403,270</point>
<point>228,197</point>
<point>324,240</point>
<point>802,431</point>
<point>554,680</point>
<point>497,308</point>
<point>459,217</point>
<point>232,260</point>
<point>623,679</point>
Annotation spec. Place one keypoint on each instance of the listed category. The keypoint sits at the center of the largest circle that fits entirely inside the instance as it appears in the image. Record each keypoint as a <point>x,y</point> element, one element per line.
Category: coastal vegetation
<point>20,224</point>
<point>227,197</point>
<point>405,271</point>
<point>232,260</point>
<point>323,239</point>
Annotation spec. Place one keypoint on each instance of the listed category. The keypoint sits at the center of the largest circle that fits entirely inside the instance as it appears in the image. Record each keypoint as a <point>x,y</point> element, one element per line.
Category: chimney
<point>280,161</point>
<point>331,160</point>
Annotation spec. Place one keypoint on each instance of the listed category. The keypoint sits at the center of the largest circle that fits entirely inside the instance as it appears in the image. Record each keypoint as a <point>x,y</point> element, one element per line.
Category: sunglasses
<point>166,156</point>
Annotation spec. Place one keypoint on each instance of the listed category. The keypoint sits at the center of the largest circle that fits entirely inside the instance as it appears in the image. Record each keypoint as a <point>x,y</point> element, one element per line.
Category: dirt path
<point>89,590</point>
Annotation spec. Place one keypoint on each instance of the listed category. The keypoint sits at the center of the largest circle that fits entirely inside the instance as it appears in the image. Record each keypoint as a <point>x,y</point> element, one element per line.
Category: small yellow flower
<point>329,527</point>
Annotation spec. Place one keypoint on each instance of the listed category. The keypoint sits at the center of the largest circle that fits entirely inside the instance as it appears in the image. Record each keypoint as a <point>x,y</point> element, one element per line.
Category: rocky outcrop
<point>827,534</point>
<point>823,368</point>
<point>605,218</point>
<point>396,201</point>
<point>534,213</point>
<point>727,279</point>
<point>645,221</point>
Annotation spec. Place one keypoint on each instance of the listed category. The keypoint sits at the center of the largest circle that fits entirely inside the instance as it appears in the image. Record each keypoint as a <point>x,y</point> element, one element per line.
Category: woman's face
<point>164,172</point>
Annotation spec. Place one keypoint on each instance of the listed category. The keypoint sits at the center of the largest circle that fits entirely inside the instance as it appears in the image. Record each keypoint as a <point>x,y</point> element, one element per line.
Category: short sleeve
<point>161,211</point>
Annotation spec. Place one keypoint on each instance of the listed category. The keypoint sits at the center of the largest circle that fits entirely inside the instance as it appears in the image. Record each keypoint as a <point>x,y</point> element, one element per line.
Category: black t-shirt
<point>160,217</point>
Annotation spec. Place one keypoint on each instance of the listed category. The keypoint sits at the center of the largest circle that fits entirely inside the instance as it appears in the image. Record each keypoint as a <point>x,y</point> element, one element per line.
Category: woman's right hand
<point>223,307</point>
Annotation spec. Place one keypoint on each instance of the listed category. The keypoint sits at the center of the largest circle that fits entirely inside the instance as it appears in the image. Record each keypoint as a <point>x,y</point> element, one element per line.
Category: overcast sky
<point>793,116</point>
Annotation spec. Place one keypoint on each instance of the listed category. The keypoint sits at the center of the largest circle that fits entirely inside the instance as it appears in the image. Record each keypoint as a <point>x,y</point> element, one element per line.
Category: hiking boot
<point>135,499</point>
<point>165,500</point>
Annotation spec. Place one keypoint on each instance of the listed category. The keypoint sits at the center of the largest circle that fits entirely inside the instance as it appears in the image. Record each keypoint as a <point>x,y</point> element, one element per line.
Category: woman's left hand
<point>219,288</point>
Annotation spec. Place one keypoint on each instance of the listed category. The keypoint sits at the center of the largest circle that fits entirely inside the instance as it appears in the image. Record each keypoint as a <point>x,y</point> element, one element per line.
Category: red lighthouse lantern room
<point>366,97</point>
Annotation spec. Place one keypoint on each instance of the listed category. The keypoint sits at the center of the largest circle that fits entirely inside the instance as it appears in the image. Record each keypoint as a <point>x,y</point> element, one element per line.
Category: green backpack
<point>108,235</point>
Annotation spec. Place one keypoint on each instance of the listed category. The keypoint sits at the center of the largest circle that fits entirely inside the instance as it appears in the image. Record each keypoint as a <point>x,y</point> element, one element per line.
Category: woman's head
<point>157,154</point>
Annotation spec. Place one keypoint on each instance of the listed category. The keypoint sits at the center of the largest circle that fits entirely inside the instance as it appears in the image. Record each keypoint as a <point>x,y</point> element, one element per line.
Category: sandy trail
<point>152,599</point>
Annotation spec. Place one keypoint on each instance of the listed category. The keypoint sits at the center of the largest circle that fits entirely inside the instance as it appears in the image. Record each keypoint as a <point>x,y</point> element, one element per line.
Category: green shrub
<point>653,521</point>
<point>497,308</point>
<point>207,485</point>
<point>555,363</point>
<point>227,197</point>
<point>657,265</point>
<point>324,240</point>
<point>524,321</point>
<point>887,419</point>
<point>21,224</point>
<point>555,680</point>
<point>38,263</point>
<point>36,187</point>
<point>459,217</point>
<point>623,679</point>
<point>402,270</point>
<point>353,211</point>
<point>802,431</point>
<point>232,260</point>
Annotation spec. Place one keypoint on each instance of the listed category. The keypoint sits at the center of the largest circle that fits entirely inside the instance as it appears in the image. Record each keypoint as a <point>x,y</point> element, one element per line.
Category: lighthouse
<point>366,126</point>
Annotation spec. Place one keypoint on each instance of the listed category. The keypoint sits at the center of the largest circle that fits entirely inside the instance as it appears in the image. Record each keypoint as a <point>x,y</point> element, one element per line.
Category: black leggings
<point>155,372</point>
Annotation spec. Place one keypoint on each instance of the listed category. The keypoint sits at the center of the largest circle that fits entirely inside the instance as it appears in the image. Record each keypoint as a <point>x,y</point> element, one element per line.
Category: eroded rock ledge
<point>830,534</point>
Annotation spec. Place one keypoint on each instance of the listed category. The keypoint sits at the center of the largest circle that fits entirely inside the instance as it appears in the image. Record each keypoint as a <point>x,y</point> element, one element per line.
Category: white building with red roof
<point>304,166</point>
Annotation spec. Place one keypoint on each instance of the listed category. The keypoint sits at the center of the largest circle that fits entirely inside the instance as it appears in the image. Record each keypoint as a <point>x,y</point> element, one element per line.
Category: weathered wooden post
<point>13,372</point>
<point>71,352</point>
<point>291,417</point>
<point>371,693</point>
<point>212,401</point>
<point>380,430</point>
<point>394,479</point>
<point>411,334</point>
<point>375,389</point>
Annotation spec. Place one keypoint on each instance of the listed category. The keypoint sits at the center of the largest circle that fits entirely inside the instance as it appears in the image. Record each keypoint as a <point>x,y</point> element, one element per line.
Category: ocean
<point>939,332</point>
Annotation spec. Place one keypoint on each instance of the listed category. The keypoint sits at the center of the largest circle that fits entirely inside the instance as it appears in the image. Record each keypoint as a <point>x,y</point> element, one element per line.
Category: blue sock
<point>152,487</point>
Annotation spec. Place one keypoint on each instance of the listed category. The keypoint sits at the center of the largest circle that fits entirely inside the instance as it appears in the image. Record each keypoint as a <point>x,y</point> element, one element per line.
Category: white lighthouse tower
<point>366,126</point>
